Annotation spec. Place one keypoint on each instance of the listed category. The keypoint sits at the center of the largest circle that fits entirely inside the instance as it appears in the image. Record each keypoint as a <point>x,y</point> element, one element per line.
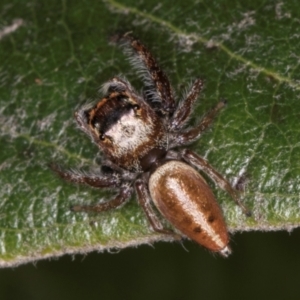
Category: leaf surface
<point>54,57</point>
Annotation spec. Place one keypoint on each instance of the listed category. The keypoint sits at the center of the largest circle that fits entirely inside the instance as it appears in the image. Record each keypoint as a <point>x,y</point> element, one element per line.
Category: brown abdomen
<point>186,201</point>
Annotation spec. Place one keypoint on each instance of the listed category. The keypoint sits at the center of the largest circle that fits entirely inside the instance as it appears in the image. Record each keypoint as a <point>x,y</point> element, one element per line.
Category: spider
<point>137,136</point>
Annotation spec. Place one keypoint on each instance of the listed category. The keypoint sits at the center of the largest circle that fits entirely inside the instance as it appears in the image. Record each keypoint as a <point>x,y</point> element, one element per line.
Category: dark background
<point>262,266</point>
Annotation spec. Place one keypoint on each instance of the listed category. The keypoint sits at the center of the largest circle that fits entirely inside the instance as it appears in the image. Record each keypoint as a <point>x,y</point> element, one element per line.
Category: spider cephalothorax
<point>137,135</point>
<point>124,126</point>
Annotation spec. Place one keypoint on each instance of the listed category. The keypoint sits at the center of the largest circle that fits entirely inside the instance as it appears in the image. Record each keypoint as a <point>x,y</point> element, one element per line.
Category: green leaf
<point>55,55</point>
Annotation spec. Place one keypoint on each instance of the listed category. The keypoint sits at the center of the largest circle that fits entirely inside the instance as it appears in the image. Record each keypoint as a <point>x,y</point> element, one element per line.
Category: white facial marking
<point>129,132</point>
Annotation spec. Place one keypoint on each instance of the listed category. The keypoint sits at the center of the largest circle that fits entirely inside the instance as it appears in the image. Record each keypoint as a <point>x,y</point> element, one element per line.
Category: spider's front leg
<point>160,90</point>
<point>200,163</point>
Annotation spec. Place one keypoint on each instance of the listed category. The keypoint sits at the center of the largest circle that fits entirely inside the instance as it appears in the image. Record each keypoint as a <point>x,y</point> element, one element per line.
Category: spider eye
<point>102,137</point>
<point>137,109</point>
<point>97,125</point>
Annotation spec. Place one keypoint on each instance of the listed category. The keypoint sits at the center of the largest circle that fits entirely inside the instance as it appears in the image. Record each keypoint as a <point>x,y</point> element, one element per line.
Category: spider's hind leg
<point>144,200</point>
<point>200,163</point>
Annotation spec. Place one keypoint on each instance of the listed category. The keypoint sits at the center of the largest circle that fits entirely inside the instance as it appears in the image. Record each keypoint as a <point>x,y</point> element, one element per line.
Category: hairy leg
<point>145,202</point>
<point>190,135</point>
<point>118,201</point>
<point>184,110</point>
<point>156,79</point>
<point>202,164</point>
<point>97,180</point>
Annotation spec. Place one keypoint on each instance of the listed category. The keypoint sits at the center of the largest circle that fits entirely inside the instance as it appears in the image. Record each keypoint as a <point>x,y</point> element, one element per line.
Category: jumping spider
<point>137,136</point>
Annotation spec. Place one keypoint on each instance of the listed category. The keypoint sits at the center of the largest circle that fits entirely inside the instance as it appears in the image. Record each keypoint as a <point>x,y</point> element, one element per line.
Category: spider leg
<point>192,134</point>
<point>98,181</point>
<point>184,110</point>
<point>159,88</point>
<point>119,200</point>
<point>116,84</point>
<point>200,163</point>
<point>145,202</point>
